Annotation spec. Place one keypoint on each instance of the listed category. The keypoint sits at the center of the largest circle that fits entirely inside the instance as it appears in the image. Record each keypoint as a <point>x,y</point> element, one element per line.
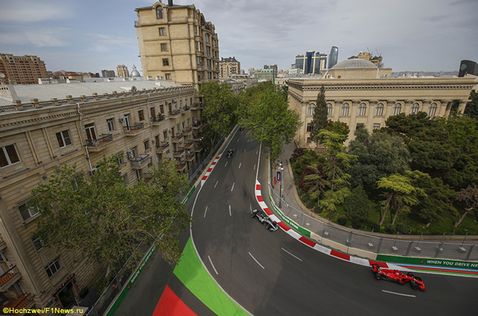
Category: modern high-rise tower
<point>333,56</point>
<point>311,62</point>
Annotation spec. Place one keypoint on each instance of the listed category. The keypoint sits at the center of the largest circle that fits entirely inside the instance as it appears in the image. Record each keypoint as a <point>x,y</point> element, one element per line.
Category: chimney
<point>170,3</point>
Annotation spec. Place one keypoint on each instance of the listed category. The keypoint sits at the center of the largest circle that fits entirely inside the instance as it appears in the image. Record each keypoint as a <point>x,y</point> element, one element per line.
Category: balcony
<point>179,152</point>
<point>190,156</point>
<point>187,130</point>
<point>188,144</point>
<point>158,119</point>
<point>162,147</point>
<point>23,301</point>
<point>133,130</point>
<point>181,166</point>
<point>177,138</point>
<point>9,278</point>
<point>97,145</point>
<point>197,125</point>
<point>173,114</point>
<point>140,162</point>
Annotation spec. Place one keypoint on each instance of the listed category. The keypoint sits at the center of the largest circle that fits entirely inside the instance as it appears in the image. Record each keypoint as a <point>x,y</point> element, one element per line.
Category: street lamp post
<point>281,179</point>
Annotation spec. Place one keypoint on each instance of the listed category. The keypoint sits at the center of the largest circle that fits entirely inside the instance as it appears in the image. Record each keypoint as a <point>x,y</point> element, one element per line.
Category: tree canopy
<point>319,118</point>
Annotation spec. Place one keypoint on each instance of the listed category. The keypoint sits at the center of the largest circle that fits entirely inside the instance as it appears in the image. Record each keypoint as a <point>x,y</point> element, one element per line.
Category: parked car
<point>265,220</point>
<point>399,277</point>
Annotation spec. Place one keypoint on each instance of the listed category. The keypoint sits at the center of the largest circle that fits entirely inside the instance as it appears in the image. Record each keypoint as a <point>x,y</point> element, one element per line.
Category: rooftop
<point>355,64</point>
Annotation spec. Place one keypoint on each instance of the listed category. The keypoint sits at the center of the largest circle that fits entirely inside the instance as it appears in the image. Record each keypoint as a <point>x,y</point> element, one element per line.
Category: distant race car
<point>399,277</point>
<point>265,220</point>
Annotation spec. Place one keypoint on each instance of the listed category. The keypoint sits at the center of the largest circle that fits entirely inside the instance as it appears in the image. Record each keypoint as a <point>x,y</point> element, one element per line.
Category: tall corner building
<point>177,43</point>
<point>22,69</point>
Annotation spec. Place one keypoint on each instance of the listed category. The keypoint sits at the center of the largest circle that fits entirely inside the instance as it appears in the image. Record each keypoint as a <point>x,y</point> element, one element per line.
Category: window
<point>310,109</point>
<point>415,108</point>
<point>146,145</point>
<point>362,110</point>
<point>164,47</point>
<point>165,62</point>
<point>119,158</point>
<point>38,243</point>
<point>141,115</point>
<point>90,132</point>
<point>159,13</point>
<point>63,138</point>
<point>162,31</point>
<point>53,267</point>
<point>167,76</point>
<point>329,109</point>
<point>161,108</point>
<point>157,141</point>
<point>8,155</point>
<point>376,125</point>
<point>345,109</point>
<point>379,109</point>
<point>28,212</point>
<point>127,120</point>
<point>433,110</point>
<point>111,124</point>
<point>397,109</point>
<point>309,127</point>
<point>359,126</point>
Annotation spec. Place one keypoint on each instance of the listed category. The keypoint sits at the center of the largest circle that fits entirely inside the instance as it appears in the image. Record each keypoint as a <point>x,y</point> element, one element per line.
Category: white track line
<point>292,255</point>
<point>215,185</point>
<point>205,212</point>
<point>254,166</point>
<point>233,184</point>
<point>240,164</point>
<point>210,261</point>
<point>401,294</point>
<point>226,163</point>
<point>260,265</point>
<point>230,213</point>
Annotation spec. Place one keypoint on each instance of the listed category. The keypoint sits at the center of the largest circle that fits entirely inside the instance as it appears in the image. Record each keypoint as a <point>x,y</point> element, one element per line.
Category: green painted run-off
<point>441,263</point>
<point>192,273</point>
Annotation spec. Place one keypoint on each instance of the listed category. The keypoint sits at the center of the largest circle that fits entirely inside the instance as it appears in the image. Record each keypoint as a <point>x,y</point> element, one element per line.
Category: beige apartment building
<point>177,43</point>
<point>371,100</point>
<point>139,122</point>
<point>229,67</point>
<point>21,69</point>
<point>122,71</point>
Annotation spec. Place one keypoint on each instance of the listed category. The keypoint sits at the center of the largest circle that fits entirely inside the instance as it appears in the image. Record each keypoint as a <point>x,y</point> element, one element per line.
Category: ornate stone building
<point>21,69</point>
<point>139,122</point>
<point>369,102</point>
<point>229,67</point>
<point>177,43</point>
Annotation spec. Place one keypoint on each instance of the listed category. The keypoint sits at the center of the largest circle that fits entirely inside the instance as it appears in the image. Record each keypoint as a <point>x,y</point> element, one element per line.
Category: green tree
<point>469,198</point>
<point>399,193</point>
<point>319,118</point>
<point>357,206</point>
<point>105,220</point>
<point>472,106</point>
<point>220,111</point>
<point>266,117</point>
<point>338,127</point>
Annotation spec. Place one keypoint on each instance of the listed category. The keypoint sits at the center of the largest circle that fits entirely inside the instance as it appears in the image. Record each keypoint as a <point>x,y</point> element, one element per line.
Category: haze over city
<point>429,35</point>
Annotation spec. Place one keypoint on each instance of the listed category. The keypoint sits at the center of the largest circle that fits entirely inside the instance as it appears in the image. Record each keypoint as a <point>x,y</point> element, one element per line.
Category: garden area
<point>418,175</point>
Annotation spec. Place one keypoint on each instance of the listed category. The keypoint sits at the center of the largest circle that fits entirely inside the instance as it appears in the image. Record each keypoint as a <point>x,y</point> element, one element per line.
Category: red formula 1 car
<point>398,276</point>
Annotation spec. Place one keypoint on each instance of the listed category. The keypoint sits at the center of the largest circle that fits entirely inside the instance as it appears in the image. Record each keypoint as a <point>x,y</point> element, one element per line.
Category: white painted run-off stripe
<point>240,164</point>
<point>292,255</point>
<point>230,213</point>
<point>215,185</point>
<point>212,264</point>
<point>401,294</point>
<point>233,184</point>
<point>260,265</point>
<point>205,212</point>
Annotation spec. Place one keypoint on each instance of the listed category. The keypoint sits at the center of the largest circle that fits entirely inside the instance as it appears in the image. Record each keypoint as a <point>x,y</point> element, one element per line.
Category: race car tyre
<point>378,276</point>
<point>414,285</point>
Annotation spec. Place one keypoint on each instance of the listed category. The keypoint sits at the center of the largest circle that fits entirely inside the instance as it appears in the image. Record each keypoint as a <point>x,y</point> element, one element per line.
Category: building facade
<point>139,127</point>
<point>122,71</point>
<point>229,67</point>
<point>105,73</point>
<point>369,102</point>
<point>311,62</point>
<point>21,69</point>
<point>177,43</point>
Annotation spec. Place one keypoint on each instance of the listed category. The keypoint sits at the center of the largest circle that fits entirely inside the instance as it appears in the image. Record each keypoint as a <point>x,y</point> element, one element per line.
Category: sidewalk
<point>345,238</point>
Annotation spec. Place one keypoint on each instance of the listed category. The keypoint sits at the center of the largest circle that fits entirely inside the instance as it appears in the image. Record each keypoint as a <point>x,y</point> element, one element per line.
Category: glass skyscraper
<point>333,56</point>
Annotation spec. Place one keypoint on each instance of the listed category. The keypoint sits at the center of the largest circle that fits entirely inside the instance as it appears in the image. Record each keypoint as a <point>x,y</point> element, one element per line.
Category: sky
<point>87,35</point>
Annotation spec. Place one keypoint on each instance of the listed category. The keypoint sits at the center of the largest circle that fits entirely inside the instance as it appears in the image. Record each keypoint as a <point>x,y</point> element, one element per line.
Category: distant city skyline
<point>87,36</point>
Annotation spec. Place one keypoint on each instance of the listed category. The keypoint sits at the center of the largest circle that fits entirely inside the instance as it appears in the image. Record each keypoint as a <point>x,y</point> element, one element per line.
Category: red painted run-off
<point>339,254</point>
<point>209,169</point>
<point>258,187</point>
<point>214,162</point>
<point>283,226</point>
<point>204,178</point>
<point>259,198</point>
<point>268,211</point>
<point>307,241</point>
<point>171,305</point>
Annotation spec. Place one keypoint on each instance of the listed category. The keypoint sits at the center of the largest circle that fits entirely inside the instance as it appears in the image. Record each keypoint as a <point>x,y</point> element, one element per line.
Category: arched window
<point>311,109</point>
<point>362,109</point>
<point>159,13</point>
<point>433,110</point>
<point>329,109</point>
<point>379,109</point>
<point>415,108</point>
<point>345,109</point>
<point>397,109</point>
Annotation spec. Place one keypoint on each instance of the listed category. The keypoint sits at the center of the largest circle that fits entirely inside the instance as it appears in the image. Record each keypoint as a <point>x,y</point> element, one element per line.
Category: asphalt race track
<point>269,273</point>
